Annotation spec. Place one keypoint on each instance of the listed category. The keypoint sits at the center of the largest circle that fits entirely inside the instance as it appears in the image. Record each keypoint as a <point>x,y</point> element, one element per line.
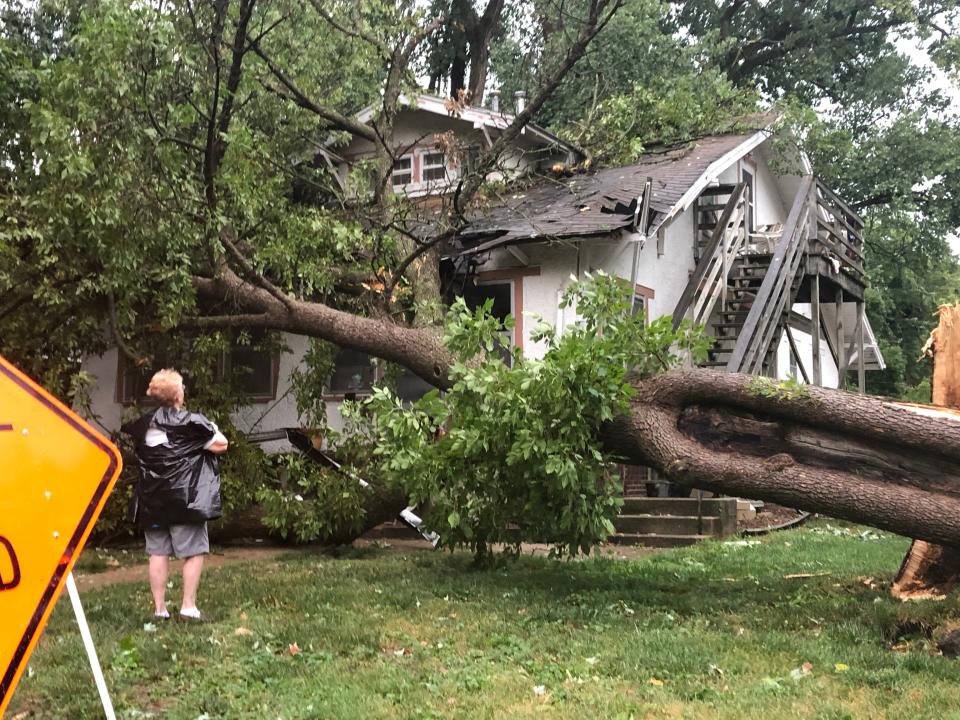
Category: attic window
<point>403,171</point>
<point>434,166</point>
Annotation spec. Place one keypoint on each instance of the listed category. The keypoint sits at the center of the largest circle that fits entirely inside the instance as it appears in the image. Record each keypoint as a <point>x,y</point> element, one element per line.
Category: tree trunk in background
<point>931,570</point>
<point>480,34</point>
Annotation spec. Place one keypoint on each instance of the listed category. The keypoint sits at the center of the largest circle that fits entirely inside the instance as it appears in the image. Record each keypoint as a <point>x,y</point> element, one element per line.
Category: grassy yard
<point>714,631</point>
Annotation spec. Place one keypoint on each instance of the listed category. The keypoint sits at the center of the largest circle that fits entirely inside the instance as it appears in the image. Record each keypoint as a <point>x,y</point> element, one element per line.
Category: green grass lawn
<point>714,631</point>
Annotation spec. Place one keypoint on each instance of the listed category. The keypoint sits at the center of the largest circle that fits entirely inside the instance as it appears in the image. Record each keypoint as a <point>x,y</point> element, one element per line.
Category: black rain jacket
<point>179,480</point>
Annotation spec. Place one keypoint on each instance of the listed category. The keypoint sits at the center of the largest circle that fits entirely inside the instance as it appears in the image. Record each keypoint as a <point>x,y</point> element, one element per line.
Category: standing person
<point>179,488</point>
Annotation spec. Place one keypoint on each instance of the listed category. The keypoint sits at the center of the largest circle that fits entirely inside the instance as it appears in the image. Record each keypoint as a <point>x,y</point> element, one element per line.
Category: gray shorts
<point>184,541</point>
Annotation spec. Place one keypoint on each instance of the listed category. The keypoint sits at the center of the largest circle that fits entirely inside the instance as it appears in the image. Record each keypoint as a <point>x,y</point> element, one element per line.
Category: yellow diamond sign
<point>56,473</point>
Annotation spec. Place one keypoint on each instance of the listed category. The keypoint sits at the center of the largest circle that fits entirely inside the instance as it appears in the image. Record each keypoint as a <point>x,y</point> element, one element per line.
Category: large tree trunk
<point>931,570</point>
<point>849,456</point>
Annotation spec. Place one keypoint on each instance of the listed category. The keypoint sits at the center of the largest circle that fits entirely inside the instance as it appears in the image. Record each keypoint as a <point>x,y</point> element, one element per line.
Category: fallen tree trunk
<point>849,456</point>
<point>890,465</point>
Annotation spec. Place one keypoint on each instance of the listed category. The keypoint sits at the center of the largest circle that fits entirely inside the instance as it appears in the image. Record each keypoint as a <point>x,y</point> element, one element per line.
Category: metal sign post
<point>91,650</point>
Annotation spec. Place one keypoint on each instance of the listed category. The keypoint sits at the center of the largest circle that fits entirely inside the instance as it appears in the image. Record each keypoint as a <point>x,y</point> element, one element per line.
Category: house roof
<point>604,201</point>
<point>479,117</point>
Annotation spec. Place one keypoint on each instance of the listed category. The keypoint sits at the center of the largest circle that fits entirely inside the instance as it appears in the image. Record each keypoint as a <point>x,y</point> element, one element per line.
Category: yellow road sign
<point>56,473</point>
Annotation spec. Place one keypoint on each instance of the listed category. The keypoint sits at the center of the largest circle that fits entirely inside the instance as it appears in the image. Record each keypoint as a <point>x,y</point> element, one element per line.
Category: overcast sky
<point>912,48</point>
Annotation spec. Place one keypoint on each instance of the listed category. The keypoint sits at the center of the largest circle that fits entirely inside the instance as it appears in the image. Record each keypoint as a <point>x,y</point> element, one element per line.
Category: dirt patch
<point>770,515</point>
<point>231,555</point>
<point>138,573</point>
<point>615,552</point>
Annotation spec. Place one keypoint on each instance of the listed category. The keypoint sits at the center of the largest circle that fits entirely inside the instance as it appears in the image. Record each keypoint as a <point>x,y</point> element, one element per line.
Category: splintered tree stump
<point>930,570</point>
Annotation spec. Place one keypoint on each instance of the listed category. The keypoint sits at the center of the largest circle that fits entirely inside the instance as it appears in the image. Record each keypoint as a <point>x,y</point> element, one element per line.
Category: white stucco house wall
<point>647,222</point>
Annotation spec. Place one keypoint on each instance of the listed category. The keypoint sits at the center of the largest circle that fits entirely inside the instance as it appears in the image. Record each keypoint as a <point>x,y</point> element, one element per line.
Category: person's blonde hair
<point>166,387</point>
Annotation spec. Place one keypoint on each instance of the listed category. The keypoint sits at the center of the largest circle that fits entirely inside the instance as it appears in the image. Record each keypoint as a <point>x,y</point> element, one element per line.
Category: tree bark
<point>848,456</point>
<point>931,570</point>
<point>480,34</point>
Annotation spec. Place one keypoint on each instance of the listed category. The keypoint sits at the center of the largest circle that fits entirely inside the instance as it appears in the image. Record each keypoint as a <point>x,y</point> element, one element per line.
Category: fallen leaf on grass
<point>656,682</point>
<point>901,647</point>
<point>243,632</point>
<point>293,649</point>
<point>841,667</point>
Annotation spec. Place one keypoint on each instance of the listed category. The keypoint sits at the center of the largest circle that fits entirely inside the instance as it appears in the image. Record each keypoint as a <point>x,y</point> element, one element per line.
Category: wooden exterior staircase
<point>743,290</point>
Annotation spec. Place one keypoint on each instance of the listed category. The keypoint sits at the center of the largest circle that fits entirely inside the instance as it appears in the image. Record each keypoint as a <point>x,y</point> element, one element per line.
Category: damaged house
<point>732,231</point>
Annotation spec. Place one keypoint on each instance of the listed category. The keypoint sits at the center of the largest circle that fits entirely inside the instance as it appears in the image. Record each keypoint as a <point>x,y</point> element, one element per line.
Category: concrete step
<point>664,541</point>
<point>641,505</point>
<point>668,524</point>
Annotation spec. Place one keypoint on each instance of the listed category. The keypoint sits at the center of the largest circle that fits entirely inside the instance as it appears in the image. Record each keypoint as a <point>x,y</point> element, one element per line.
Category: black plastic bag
<point>179,480</point>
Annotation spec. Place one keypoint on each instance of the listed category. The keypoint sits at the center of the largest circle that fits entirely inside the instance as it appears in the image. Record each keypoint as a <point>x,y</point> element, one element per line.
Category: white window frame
<point>424,167</point>
<point>413,174</point>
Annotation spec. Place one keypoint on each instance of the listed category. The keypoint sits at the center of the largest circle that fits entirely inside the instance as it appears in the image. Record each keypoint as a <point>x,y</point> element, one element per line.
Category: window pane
<point>412,387</point>
<point>434,166</point>
<point>251,371</point>
<point>135,380</point>
<point>352,372</point>
<point>403,171</point>
<point>502,296</point>
<point>500,293</point>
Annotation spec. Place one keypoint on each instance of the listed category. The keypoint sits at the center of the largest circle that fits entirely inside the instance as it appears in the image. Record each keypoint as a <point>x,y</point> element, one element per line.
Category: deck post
<point>861,360</point>
<point>841,348</point>
<point>815,331</point>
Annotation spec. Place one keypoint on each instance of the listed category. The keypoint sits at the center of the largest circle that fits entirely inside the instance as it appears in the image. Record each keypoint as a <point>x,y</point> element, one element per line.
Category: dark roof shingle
<point>601,202</point>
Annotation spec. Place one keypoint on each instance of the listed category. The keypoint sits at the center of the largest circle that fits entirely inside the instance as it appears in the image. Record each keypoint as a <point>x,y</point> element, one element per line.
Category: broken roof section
<point>605,201</point>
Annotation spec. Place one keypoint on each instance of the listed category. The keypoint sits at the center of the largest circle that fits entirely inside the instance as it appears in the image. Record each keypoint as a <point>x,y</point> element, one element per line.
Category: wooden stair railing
<point>839,232</point>
<point>709,280</point>
<point>779,287</point>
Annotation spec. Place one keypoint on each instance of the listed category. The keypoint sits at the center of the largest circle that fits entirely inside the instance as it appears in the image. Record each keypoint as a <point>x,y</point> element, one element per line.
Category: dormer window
<point>403,171</point>
<point>434,166</point>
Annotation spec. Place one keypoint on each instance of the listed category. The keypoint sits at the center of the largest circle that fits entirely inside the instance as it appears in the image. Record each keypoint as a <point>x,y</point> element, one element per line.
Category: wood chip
<point>797,576</point>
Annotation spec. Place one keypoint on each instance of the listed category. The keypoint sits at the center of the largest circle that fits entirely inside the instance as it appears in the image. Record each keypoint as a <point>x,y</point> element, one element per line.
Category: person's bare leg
<point>192,568</point>
<point>159,571</point>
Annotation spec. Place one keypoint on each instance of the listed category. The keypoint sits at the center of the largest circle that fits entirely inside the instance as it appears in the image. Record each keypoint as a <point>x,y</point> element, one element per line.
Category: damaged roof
<point>601,202</point>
